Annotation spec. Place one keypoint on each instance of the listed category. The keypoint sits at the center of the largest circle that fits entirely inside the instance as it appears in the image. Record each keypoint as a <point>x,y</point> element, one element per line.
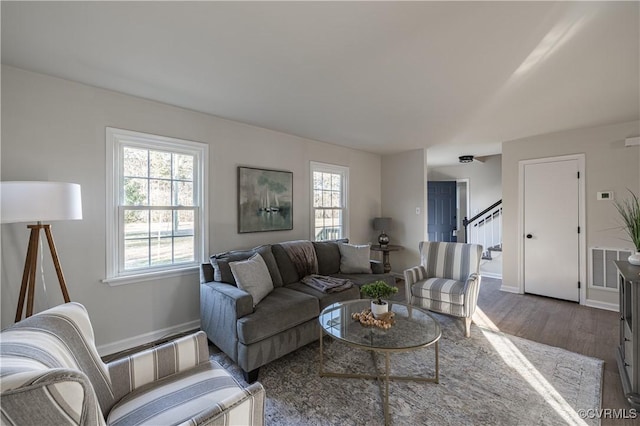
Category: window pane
<point>161,251</point>
<point>326,199</point>
<point>183,167</point>
<point>135,162</point>
<point>326,181</point>
<point>160,164</point>
<point>159,192</point>
<point>136,224</point>
<point>317,198</point>
<point>317,180</point>
<point>136,254</point>
<point>183,249</point>
<point>336,199</point>
<point>335,182</point>
<point>183,193</point>
<point>161,225</point>
<point>135,192</point>
<point>183,223</point>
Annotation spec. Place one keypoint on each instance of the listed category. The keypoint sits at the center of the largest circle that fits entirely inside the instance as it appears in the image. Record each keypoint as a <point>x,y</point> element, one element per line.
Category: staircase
<point>485,229</point>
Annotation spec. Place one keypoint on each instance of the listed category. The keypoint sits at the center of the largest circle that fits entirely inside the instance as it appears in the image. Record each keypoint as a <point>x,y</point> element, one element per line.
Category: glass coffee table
<point>414,328</point>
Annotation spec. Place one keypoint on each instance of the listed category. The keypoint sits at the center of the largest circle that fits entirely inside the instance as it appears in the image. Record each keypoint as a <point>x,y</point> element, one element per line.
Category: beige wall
<point>485,180</point>
<point>609,165</point>
<point>54,129</point>
<point>404,188</point>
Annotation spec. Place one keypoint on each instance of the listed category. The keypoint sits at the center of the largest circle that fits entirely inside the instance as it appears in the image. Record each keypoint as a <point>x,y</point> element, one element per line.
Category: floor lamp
<point>39,202</point>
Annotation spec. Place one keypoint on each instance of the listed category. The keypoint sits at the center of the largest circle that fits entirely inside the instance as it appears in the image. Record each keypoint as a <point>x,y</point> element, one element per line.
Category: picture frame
<point>265,200</point>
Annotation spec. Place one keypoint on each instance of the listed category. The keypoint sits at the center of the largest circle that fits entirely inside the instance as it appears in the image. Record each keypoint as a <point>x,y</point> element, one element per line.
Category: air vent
<point>603,270</point>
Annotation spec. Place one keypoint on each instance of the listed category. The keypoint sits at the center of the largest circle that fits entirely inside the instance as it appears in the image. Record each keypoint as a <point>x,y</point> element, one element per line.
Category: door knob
<point>529,236</point>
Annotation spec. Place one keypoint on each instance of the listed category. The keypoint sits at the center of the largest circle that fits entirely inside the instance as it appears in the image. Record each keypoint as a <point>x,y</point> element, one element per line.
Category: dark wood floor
<point>588,331</point>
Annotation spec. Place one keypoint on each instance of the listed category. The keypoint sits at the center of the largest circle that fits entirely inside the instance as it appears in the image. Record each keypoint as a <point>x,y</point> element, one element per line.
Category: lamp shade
<point>381,223</point>
<point>39,201</point>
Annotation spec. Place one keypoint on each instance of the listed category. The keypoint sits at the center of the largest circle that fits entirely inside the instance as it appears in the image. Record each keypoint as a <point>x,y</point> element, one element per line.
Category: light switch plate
<point>605,195</point>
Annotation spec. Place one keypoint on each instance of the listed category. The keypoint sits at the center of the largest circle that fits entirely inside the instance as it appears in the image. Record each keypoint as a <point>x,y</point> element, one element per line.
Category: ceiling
<point>385,77</point>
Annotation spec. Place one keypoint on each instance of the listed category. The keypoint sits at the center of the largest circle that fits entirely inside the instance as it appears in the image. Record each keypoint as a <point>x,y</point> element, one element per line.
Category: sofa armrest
<point>221,305</point>
<point>153,364</point>
<point>377,267</point>
<point>412,276</point>
<point>243,407</point>
<point>471,291</point>
<point>57,396</point>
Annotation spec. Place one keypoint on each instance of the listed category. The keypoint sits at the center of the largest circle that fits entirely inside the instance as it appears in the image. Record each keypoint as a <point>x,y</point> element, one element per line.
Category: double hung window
<point>156,217</point>
<point>329,185</point>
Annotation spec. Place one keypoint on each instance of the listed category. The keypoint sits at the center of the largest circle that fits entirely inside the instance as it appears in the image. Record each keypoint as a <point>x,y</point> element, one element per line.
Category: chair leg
<point>467,327</point>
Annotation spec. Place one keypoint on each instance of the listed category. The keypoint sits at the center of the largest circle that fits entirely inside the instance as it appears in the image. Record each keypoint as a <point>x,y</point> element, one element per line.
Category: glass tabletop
<point>413,327</point>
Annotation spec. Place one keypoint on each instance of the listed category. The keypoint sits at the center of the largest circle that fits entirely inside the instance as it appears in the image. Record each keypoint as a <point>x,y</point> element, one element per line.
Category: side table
<point>385,254</point>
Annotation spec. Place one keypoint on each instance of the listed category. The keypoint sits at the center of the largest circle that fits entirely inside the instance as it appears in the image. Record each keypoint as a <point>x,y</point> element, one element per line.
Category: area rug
<point>490,378</point>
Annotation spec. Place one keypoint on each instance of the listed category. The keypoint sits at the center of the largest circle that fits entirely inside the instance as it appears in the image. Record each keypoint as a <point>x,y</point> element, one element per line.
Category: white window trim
<point>115,138</point>
<point>315,166</point>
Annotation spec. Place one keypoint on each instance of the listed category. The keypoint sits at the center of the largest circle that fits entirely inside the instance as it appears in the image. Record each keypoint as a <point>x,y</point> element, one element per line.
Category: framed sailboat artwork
<point>265,200</point>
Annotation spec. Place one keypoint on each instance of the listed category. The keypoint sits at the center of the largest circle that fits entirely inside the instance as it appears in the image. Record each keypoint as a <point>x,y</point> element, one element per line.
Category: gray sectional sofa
<point>286,319</point>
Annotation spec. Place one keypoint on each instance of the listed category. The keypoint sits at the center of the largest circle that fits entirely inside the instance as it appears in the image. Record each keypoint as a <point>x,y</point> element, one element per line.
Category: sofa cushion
<point>281,310</point>
<point>287,269</point>
<point>328,254</point>
<point>179,398</point>
<point>440,289</point>
<point>326,299</point>
<point>222,271</point>
<point>252,276</point>
<point>355,258</point>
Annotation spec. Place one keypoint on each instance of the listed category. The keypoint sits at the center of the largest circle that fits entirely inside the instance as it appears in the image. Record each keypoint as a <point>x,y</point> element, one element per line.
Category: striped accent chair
<point>447,280</point>
<point>51,374</point>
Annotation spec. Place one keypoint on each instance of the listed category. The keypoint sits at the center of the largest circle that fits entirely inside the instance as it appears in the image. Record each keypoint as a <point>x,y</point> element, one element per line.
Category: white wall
<point>404,188</point>
<point>609,166</point>
<point>485,180</point>
<point>54,129</point>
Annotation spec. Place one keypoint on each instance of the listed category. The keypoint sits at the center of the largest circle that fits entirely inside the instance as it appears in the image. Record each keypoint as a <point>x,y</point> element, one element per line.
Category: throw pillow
<point>354,259</point>
<point>252,276</point>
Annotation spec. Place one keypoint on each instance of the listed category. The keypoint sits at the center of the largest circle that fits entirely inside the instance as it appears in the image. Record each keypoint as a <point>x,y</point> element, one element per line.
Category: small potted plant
<point>376,291</point>
<point>630,213</point>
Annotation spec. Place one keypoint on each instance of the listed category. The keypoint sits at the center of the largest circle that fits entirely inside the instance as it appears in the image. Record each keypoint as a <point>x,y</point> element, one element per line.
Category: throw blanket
<point>303,256</point>
<point>327,284</point>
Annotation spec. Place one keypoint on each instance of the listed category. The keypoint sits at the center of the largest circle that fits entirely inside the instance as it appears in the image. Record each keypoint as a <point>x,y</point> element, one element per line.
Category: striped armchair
<point>51,374</point>
<point>447,279</point>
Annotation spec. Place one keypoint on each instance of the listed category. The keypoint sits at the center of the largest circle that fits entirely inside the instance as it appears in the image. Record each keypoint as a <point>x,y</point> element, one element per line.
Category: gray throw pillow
<point>354,259</point>
<point>252,276</point>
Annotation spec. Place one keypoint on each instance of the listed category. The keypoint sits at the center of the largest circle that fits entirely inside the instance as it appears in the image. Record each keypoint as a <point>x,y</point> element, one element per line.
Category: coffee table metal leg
<point>386,388</point>
<point>437,363</point>
<point>320,368</point>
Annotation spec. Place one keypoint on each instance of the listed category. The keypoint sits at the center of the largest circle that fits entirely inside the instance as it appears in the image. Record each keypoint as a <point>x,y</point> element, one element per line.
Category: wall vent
<point>603,271</point>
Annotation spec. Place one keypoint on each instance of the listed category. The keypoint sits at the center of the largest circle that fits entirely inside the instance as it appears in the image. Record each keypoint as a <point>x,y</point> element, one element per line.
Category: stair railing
<point>485,228</point>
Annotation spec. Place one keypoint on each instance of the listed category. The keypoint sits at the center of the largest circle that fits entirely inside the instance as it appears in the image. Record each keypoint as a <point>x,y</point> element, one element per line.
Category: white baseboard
<point>491,275</point>
<point>142,339</point>
<point>602,305</point>
<point>510,289</point>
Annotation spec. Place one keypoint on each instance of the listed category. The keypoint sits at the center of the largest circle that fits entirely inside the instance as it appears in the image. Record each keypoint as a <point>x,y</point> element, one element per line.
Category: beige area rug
<point>490,378</point>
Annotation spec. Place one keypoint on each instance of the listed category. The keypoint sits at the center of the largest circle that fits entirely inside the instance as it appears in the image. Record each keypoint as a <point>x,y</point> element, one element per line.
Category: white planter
<point>634,259</point>
<point>379,310</point>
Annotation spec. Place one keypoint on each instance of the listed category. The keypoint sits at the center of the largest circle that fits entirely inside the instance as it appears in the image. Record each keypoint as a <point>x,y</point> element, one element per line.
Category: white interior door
<point>551,220</point>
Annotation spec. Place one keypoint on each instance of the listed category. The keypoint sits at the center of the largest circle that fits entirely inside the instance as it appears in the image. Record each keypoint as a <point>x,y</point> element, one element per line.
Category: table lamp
<point>38,202</point>
<point>381,224</point>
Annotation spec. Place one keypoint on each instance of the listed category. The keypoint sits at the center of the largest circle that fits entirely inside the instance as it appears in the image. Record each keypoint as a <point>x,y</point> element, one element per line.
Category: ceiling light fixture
<point>466,158</point>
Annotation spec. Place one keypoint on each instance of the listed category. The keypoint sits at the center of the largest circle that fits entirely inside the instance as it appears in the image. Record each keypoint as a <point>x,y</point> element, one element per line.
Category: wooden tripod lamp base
<point>28,288</point>
<point>37,202</point>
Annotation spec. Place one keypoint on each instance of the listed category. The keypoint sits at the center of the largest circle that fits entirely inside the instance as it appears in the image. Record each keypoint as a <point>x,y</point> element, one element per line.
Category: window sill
<point>149,276</point>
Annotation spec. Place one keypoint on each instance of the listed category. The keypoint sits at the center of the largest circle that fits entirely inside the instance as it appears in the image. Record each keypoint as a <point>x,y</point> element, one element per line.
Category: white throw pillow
<point>252,276</point>
<point>354,259</point>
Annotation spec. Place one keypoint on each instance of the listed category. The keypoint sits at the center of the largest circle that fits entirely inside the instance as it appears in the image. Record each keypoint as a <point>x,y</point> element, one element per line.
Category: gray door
<point>441,203</point>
